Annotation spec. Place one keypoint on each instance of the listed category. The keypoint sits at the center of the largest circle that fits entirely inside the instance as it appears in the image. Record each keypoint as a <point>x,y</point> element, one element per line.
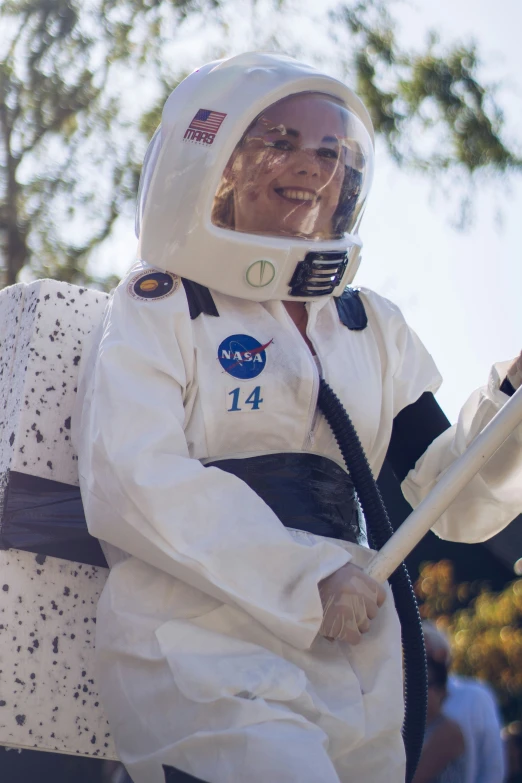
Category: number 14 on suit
<point>244,400</point>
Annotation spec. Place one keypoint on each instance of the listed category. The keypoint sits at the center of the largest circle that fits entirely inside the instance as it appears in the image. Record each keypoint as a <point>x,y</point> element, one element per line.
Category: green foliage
<point>69,165</point>
<point>485,629</point>
<point>72,135</point>
<point>434,91</point>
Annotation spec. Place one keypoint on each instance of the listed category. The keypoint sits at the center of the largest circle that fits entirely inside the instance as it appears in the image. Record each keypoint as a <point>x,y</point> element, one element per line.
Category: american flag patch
<point>204,126</point>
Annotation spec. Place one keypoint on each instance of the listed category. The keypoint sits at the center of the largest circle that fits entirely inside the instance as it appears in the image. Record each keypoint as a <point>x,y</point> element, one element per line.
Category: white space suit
<point>209,659</point>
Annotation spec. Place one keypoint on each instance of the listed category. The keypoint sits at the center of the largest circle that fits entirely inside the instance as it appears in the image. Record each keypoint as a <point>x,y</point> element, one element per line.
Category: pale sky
<point>461,291</point>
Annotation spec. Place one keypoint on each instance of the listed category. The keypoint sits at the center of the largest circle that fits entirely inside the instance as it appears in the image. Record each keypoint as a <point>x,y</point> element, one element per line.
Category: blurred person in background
<point>472,705</point>
<point>442,759</point>
<point>512,738</point>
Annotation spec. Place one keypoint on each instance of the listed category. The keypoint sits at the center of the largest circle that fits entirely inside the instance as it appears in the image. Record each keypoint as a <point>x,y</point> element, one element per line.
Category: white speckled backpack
<point>50,576</point>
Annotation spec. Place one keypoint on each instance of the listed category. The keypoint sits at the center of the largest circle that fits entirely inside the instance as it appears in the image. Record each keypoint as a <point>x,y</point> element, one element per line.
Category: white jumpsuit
<point>208,654</point>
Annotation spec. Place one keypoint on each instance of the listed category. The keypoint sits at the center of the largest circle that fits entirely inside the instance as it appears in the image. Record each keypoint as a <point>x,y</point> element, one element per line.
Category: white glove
<point>350,600</point>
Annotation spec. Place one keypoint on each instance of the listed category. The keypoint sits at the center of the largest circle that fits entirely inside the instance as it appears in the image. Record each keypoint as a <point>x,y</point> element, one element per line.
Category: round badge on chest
<point>242,356</point>
<point>153,285</point>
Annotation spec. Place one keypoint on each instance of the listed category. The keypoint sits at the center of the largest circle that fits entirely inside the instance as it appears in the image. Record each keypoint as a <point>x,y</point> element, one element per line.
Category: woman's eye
<point>328,152</point>
<point>280,144</point>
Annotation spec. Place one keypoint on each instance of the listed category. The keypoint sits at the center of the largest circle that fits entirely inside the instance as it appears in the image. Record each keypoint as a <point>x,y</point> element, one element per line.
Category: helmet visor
<point>302,169</point>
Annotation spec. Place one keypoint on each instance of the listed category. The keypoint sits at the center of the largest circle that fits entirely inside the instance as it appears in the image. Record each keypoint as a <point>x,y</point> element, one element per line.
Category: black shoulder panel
<point>414,429</point>
<point>199,299</point>
<point>507,387</point>
<point>351,309</point>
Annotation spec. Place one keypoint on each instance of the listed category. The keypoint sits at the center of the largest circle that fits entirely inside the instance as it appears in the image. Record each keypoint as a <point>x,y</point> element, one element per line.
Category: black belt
<point>45,517</point>
<point>305,491</point>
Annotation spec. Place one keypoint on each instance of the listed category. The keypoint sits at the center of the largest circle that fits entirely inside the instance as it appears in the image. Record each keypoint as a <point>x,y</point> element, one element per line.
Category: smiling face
<point>293,169</point>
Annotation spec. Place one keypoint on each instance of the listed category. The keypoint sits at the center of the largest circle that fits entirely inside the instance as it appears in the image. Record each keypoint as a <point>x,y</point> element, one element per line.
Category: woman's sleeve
<point>144,494</point>
<point>494,497</point>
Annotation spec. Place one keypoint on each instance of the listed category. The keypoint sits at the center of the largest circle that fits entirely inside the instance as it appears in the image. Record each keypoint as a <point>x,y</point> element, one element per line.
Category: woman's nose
<point>305,163</point>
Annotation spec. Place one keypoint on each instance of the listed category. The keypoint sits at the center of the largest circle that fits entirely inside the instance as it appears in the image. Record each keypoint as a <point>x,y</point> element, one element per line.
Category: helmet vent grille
<point>318,274</point>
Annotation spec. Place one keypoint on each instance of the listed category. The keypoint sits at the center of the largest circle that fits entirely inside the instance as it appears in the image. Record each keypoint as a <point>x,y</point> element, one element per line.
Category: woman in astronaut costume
<point>229,646</point>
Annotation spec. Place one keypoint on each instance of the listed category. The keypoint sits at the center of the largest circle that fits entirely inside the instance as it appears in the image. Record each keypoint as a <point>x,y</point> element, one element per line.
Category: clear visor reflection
<point>299,171</point>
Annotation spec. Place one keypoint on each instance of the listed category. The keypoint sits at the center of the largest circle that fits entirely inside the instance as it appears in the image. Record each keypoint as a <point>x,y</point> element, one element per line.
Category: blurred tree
<point>435,91</point>
<point>485,629</point>
<point>72,132</point>
<point>62,63</point>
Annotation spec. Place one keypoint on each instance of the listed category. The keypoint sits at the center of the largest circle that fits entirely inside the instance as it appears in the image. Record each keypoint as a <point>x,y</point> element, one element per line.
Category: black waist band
<point>306,491</point>
<point>45,517</point>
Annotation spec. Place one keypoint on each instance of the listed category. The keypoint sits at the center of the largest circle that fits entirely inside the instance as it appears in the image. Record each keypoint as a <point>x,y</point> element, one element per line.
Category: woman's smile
<point>299,196</point>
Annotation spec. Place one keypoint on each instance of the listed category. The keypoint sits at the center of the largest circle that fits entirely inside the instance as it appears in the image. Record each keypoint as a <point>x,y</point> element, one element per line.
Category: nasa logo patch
<point>242,356</point>
<point>153,285</point>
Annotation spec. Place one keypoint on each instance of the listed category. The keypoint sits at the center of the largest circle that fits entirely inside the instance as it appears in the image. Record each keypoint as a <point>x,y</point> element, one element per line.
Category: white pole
<point>447,488</point>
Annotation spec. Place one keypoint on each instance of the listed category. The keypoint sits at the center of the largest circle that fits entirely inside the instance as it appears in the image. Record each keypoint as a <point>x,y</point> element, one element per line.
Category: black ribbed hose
<point>379,531</point>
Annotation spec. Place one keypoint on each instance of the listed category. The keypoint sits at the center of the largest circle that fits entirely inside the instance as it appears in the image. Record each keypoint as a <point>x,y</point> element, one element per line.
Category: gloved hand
<point>350,599</point>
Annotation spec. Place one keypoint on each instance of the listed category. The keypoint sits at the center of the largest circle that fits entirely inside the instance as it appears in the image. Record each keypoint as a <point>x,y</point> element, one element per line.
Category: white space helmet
<point>255,182</point>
